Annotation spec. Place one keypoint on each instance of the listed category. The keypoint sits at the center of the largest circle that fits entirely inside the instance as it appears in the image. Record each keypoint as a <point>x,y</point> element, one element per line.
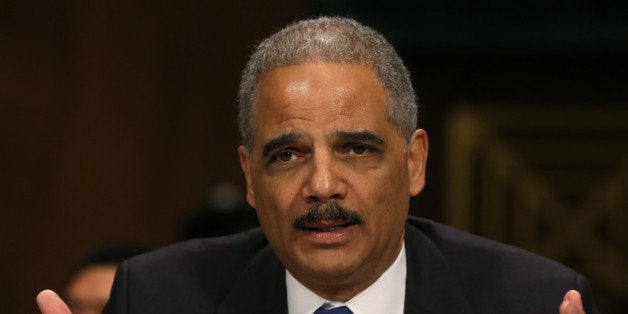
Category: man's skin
<point>572,303</point>
<point>50,303</point>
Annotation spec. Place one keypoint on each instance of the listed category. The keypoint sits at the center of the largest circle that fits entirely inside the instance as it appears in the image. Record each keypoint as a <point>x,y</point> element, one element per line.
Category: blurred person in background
<point>225,212</point>
<point>87,289</point>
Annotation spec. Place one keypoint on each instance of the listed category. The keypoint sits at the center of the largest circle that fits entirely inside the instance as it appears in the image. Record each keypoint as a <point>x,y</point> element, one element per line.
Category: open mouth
<point>327,228</point>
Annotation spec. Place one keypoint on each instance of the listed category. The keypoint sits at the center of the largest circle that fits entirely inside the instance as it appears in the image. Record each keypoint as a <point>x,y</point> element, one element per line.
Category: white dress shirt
<point>385,295</point>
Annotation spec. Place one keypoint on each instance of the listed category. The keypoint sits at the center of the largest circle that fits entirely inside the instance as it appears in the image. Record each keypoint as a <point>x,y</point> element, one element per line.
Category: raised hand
<point>50,303</point>
<point>572,303</point>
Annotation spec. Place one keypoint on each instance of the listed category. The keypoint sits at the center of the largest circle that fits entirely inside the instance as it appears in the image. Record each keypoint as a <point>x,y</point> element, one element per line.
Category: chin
<point>325,266</point>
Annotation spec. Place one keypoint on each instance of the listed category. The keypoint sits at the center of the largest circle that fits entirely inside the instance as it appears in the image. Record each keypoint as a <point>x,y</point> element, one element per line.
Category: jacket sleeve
<point>119,292</point>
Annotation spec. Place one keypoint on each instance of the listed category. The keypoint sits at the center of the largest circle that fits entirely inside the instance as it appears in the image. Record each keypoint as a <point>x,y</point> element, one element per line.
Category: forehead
<point>318,95</point>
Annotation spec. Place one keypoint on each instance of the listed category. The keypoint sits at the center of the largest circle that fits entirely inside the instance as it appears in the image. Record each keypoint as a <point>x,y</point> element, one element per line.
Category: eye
<point>285,156</point>
<point>359,149</point>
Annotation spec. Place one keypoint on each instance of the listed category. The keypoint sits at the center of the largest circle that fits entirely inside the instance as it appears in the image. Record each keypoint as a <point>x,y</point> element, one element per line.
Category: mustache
<point>327,212</point>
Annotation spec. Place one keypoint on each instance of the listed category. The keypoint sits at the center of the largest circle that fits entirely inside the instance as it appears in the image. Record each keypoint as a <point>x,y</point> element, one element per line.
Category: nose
<point>325,181</point>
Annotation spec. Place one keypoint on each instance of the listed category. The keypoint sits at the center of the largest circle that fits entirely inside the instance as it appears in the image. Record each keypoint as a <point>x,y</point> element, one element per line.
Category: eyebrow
<point>358,136</point>
<point>279,141</point>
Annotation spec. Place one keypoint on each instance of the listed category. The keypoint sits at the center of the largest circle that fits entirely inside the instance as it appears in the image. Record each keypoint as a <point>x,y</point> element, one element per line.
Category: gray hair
<point>337,40</point>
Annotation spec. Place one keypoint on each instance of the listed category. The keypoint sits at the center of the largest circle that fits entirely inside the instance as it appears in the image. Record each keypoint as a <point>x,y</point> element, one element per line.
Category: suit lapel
<point>260,289</point>
<point>431,287</point>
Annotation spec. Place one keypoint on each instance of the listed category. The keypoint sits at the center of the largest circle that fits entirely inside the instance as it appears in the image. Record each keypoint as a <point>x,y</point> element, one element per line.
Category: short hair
<point>335,40</point>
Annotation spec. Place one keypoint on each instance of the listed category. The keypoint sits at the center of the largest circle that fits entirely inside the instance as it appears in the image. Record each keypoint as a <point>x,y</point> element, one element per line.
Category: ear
<point>417,160</point>
<point>245,164</point>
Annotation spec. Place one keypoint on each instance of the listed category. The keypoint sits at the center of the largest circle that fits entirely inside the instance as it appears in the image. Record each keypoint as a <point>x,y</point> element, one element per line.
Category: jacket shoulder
<point>218,252</point>
<point>187,277</point>
<point>499,277</point>
<point>456,244</point>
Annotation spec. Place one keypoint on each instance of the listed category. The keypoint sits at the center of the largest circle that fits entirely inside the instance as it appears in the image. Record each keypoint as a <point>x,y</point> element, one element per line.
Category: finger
<point>50,303</point>
<point>572,303</point>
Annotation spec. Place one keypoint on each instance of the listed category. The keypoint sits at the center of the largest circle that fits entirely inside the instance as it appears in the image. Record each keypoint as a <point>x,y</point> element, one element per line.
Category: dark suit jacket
<point>448,271</point>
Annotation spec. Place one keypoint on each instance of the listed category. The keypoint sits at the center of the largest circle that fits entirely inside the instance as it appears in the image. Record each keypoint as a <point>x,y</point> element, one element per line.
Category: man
<point>331,158</point>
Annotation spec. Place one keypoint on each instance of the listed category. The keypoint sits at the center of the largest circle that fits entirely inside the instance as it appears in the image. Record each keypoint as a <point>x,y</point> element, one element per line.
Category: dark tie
<point>337,310</point>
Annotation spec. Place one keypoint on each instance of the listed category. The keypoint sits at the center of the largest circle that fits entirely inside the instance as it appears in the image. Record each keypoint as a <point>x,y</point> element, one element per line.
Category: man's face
<point>321,137</point>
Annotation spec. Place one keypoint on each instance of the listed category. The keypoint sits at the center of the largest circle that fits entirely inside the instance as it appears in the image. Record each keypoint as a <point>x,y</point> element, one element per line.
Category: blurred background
<point>117,123</point>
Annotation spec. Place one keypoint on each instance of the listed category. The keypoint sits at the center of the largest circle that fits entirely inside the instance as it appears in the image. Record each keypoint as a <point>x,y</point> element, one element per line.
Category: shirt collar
<point>385,295</point>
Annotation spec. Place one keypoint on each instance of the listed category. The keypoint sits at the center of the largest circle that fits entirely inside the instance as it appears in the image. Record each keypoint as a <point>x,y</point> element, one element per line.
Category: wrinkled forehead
<point>319,98</point>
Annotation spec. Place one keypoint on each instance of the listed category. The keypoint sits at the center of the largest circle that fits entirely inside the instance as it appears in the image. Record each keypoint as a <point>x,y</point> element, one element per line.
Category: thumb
<point>572,303</point>
<point>50,303</point>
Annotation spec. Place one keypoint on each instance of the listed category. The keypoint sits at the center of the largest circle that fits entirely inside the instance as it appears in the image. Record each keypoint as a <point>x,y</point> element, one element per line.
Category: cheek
<point>385,194</point>
<point>273,200</point>
<point>387,182</point>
